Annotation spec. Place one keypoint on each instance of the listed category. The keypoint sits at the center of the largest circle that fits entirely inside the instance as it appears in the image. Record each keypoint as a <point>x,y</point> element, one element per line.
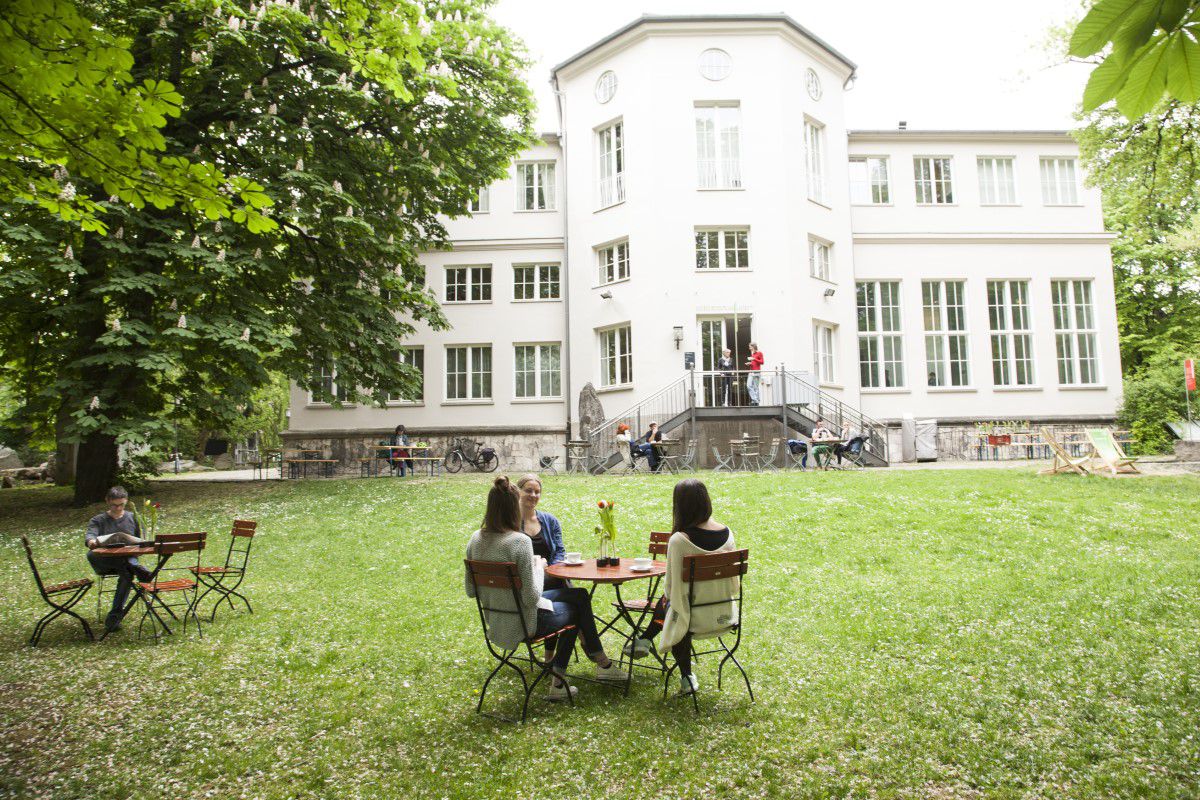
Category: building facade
<point>704,192</point>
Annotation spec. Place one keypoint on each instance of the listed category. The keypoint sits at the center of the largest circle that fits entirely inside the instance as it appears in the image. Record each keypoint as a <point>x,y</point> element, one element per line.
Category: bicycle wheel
<point>454,461</point>
<point>488,463</point>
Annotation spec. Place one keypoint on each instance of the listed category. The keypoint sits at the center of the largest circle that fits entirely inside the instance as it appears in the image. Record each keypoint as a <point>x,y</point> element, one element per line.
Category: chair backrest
<point>626,454</point>
<point>495,575</point>
<point>722,566</point>
<point>240,539</point>
<point>658,543</point>
<point>1055,445</point>
<point>170,544</point>
<point>37,576</point>
<point>1106,446</point>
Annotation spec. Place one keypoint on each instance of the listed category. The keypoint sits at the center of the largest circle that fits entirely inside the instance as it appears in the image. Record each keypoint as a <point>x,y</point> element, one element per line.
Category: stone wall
<point>518,452</point>
<point>1187,450</point>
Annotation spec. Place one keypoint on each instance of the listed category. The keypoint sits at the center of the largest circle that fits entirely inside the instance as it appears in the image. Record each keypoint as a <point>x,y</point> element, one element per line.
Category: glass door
<point>712,342</point>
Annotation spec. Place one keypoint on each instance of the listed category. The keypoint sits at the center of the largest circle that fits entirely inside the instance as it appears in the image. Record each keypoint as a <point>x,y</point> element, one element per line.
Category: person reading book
<point>114,528</point>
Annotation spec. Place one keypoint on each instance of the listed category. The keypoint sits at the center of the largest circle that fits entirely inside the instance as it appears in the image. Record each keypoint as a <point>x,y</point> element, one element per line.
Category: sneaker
<point>142,574</point>
<point>613,673</point>
<point>561,692</point>
<point>638,648</point>
<point>688,685</point>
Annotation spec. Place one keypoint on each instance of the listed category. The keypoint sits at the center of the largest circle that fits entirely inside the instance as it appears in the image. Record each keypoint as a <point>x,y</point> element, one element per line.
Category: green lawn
<point>909,634</point>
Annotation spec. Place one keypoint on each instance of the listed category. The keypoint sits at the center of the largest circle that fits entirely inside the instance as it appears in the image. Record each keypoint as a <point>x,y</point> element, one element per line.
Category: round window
<point>715,64</point>
<point>813,84</point>
<point>606,86</point>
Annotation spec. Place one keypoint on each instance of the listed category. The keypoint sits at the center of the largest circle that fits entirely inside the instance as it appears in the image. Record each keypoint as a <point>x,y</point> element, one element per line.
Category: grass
<point>909,635</point>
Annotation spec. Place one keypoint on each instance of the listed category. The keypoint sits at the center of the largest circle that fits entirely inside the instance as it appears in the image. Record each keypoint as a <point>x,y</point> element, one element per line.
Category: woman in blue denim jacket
<point>541,527</point>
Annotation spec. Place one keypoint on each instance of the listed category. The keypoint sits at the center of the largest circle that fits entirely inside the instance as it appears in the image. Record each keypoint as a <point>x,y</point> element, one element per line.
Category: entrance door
<point>716,334</point>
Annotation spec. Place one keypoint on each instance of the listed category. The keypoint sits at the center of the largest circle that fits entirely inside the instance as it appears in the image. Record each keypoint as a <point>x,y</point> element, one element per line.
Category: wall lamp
<point>678,333</point>
<point>830,291</point>
<point>606,295</point>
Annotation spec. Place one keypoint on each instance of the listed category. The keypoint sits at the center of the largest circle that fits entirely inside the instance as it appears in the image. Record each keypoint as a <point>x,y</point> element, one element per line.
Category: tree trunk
<point>95,468</point>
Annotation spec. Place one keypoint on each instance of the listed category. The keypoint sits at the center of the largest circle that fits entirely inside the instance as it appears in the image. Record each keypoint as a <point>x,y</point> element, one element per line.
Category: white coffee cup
<point>641,563</point>
<point>573,558</point>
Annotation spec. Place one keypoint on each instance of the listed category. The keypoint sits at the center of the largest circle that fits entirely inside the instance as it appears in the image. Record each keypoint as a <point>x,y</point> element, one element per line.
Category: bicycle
<point>472,452</point>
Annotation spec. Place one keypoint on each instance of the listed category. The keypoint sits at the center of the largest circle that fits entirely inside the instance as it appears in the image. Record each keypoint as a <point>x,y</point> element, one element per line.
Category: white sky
<point>933,63</point>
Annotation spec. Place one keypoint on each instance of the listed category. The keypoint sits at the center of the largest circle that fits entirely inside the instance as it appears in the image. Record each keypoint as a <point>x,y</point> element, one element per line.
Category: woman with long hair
<point>542,528</point>
<point>500,538</point>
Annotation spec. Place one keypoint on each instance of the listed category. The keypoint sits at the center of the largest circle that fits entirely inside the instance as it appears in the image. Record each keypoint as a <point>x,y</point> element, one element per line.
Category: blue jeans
<point>752,384</point>
<point>122,567</point>
<point>571,607</point>
<point>649,452</point>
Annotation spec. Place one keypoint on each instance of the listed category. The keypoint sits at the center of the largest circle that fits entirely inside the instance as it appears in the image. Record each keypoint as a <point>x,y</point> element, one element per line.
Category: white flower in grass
<point>69,253</point>
<point>197,56</point>
<point>61,174</point>
<point>196,241</point>
<point>68,193</point>
<point>349,211</point>
<point>438,16</point>
<point>437,55</point>
<point>162,22</point>
<point>232,126</point>
<point>391,238</point>
<point>95,404</point>
<point>304,122</point>
<point>424,27</point>
<point>196,150</point>
<point>245,337</point>
<point>182,321</point>
<point>341,79</point>
<point>234,23</point>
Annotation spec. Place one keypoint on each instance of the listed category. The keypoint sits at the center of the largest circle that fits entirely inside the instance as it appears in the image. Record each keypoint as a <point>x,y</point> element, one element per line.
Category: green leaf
<point>1183,70</point>
<point>1147,80</point>
<point>1105,81</point>
<point>1138,28</point>
<point>1172,13</point>
<point>1099,25</point>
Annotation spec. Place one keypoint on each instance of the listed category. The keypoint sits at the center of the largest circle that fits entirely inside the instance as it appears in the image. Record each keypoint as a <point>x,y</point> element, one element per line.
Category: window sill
<point>820,203</point>
<point>936,205</point>
<point>830,281</point>
<point>950,389</point>
<point>888,390</point>
<point>1000,205</point>
<point>613,283</point>
<point>723,271</point>
<point>487,402</point>
<point>466,302</point>
<point>1082,387</point>
<point>535,210</point>
<point>620,202</point>
<point>872,205</point>
<point>311,404</point>
<point>720,188</point>
<point>1062,205</point>
<point>533,400</point>
<point>823,385</point>
<point>539,300</point>
<point>620,387</point>
<point>1029,388</point>
<point>405,404</point>
<point>478,213</point>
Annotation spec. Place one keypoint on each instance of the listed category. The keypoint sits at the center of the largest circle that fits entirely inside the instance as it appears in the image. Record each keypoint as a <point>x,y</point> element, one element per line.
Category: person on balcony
<point>725,382</point>
<point>754,382</point>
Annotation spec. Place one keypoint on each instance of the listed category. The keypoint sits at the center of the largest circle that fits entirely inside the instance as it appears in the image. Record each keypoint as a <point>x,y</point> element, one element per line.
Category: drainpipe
<point>560,100</point>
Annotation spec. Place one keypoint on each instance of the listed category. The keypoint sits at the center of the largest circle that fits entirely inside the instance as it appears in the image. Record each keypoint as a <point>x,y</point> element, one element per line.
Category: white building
<point>703,191</point>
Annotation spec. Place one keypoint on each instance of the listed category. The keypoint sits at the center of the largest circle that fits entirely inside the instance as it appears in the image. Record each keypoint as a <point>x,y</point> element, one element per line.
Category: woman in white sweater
<point>499,538</point>
<point>696,533</point>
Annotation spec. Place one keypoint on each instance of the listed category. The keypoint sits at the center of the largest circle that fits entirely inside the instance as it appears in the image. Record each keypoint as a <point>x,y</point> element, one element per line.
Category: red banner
<point>1189,373</point>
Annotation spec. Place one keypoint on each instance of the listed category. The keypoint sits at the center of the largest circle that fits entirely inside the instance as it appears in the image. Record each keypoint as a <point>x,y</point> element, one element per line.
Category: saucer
<point>572,563</point>
<point>646,568</point>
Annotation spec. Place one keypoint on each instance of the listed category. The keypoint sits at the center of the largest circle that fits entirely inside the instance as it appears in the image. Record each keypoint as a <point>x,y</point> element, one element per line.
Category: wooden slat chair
<point>1063,461</point>
<point>156,593</point>
<point>225,580</point>
<point>724,566</point>
<point>1109,453</point>
<point>59,596</point>
<point>503,575</point>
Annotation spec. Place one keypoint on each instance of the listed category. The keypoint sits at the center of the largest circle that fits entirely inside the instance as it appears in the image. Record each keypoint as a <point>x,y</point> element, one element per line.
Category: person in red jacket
<point>755,363</point>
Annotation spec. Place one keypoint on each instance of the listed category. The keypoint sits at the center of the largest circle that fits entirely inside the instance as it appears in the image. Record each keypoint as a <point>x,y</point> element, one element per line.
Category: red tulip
<point>601,504</point>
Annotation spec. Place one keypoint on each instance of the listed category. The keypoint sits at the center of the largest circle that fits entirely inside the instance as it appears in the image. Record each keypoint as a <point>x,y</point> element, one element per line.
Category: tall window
<point>1059,187</point>
<point>933,180</point>
<point>468,284</point>
<point>718,150</point>
<point>1074,332</point>
<point>880,356</point>
<point>616,356</point>
<point>415,358</point>
<point>1012,337</point>
<point>611,146</point>
<point>469,372</point>
<point>814,159</point>
<point>535,186</point>
<point>944,304</point>
<point>538,370</point>
<point>536,282</point>
<point>481,204</point>
<point>997,181</point>
<point>818,259</point>
<point>869,181</point>
<point>614,262</point>
<point>823,352</point>
<point>722,249</point>
<point>324,379</point>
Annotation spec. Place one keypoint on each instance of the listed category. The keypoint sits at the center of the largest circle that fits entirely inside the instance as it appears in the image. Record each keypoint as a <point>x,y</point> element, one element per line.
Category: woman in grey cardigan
<point>499,538</point>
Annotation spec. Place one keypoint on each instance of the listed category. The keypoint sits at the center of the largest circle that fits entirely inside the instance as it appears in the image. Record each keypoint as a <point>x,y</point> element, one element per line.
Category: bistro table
<point>588,572</point>
<point>579,456</point>
<point>665,459</point>
<point>138,593</point>
<point>739,449</point>
<point>826,448</point>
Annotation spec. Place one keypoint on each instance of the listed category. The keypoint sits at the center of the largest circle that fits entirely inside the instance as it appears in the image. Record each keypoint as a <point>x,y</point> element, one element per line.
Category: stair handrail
<point>874,430</point>
<point>608,427</point>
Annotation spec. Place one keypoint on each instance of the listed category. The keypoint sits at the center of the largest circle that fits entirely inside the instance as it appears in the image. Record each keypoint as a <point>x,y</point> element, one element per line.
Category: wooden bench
<point>298,467</point>
<point>434,463</point>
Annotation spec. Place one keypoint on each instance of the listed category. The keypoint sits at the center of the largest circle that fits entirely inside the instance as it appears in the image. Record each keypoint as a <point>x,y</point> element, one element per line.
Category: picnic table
<point>298,467</point>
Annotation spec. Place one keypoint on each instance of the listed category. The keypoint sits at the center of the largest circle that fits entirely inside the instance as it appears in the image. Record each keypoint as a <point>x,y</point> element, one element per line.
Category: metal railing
<point>809,401</point>
<point>666,404</point>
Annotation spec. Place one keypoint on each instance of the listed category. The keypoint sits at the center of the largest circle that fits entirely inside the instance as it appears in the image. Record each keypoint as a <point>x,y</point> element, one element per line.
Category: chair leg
<point>57,611</point>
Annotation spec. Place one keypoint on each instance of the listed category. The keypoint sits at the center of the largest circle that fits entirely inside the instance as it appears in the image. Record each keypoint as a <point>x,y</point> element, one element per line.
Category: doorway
<point>732,331</point>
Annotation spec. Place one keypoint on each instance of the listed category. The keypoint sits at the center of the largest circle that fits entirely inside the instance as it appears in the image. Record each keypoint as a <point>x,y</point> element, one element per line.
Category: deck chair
<point>1109,453</point>
<point>503,575</point>
<point>1063,461</point>
<point>722,462</point>
<point>722,566</point>
<point>225,579</point>
<point>59,596</point>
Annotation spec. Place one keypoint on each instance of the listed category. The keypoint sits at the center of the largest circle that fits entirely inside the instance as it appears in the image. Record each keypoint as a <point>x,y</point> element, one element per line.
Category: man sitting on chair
<point>648,449</point>
<point>116,526</point>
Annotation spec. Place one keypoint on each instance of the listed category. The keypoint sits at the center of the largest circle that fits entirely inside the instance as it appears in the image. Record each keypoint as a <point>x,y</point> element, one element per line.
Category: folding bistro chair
<point>503,575</point>
<point>546,463</point>
<point>226,579</point>
<point>723,462</point>
<point>1063,461</point>
<point>853,453</point>
<point>645,605</point>
<point>630,464</point>
<point>768,459</point>
<point>726,566</point>
<point>688,461</point>
<point>156,593</point>
<point>59,596</point>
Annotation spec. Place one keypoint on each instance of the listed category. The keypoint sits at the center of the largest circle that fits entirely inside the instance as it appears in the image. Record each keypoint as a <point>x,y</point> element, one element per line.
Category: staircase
<point>792,398</point>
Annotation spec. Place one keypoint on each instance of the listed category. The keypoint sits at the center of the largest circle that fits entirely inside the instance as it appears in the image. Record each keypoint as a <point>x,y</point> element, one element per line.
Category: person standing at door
<point>754,382</point>
<point>725,364</point>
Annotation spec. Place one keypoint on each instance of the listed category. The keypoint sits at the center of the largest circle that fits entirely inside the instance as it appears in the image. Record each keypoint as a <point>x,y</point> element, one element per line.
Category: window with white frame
<point>1011,333</point>
<point>538,369</point>
<point>1075,332</point>
<point>616,356</point>
<point>610,143</point>
<point>614,262</point>
<point>468,284</point>
<point>722,249</point>
<point>535,282</point>
<point>823,338</point>
<point>819,259</point>
<point>324,379</point>
<point>880,340</point>
<point>869,184</point>
<point>481,203</point>
<point>933,180</point>
<point>945,314</point>
<point>469,372</point>
<point>535,186</point>
<point>997,181</point>
<point>814,159</point>
<point>415,358</point>
<point>1059,184</point>
<point>718,149</point>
